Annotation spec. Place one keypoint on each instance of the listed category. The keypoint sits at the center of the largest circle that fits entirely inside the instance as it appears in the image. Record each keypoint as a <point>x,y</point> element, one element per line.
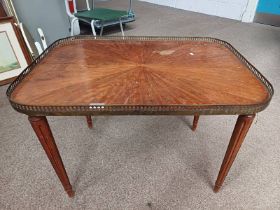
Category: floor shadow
<point>108,30</point>
<point>202,171</point>
<point>187,120</point>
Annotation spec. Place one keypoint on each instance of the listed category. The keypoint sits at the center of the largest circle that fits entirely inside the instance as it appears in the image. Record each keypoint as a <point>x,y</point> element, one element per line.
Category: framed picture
<point>14,55</point>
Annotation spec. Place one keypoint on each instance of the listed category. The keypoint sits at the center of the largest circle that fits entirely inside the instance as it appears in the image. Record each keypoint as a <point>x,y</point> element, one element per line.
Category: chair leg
<point>101,30</point>
<point>89,121</point>
<point>92,28</point>
<point>75,30</point>
<point>195,122</point>
<point>72,27</point>
<point>121,26</point>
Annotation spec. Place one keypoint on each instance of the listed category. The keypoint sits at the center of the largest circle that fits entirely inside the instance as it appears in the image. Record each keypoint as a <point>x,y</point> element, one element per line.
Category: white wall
<point>233,9</point>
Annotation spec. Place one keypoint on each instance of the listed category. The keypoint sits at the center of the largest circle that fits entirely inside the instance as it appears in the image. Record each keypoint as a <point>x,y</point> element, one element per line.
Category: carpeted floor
<point>150,162</point>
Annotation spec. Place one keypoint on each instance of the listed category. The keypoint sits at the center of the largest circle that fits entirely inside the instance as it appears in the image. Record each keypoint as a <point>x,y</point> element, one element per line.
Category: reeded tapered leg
<point>89,121</point>
<point>195,122</point>
<point>44,134</point>
<point>241,128</point>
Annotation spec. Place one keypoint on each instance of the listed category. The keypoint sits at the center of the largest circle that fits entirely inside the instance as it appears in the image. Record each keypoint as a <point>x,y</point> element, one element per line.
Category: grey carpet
<point>143,162</point>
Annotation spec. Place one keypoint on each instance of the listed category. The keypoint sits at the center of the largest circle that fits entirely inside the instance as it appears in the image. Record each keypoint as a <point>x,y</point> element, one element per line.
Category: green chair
<point>102,17</point>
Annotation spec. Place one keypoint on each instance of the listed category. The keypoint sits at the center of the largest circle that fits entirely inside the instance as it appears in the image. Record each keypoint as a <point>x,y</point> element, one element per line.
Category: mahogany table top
<point>140,75</point>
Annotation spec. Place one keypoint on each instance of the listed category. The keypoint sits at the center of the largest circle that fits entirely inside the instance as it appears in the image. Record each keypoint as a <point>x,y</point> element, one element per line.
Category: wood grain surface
<point>135,72</point>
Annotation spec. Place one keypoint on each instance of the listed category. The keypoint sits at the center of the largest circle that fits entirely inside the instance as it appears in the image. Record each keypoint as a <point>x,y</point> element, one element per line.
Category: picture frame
<point>14,55</point>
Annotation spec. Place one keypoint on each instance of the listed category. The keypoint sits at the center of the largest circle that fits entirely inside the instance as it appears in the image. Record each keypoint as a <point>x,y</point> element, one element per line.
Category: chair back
<point>70,6</point>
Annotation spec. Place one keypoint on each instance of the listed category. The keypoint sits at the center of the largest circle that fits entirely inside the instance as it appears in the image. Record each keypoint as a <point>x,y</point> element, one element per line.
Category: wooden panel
<point>140,72</point>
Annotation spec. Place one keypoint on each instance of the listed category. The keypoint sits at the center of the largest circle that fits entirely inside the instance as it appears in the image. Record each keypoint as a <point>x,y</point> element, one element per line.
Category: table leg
<point>241,128</point>
<point>195,122</point>
<point>44,134</point>
<point>89,121</point>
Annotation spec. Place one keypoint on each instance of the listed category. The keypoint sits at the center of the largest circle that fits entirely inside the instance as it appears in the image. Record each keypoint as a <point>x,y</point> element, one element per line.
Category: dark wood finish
<point>19,38</point>
<point>7,81</point>
<point>44,134</point>
<point>2,11</point>
<point>241,128</point>
<point>89,121</point>
<point>140,73</point>
<point>195,122</point>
